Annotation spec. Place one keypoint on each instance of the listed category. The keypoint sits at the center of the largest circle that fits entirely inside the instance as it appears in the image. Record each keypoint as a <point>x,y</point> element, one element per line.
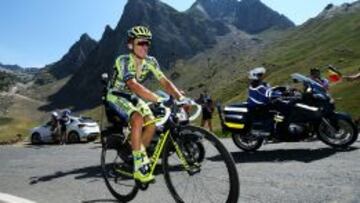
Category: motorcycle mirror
<point>104,78</point>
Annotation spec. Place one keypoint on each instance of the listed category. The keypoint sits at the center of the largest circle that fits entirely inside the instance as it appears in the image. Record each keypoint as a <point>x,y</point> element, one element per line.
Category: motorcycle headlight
<point>308,90</point>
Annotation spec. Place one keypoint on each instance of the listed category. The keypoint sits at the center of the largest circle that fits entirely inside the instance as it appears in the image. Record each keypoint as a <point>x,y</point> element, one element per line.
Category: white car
<point>79,129</point>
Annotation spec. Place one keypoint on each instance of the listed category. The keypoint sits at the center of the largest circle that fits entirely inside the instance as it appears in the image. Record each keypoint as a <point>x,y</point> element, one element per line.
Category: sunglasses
<point>144,43</point>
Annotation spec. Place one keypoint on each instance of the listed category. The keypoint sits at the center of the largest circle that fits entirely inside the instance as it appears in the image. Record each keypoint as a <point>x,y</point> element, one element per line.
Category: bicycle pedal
<point>194,170</point>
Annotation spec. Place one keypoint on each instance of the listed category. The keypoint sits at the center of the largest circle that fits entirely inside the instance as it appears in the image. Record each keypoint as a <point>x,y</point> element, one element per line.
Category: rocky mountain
<point>176,35</point>
<point>11,74</point>
<point>17,69</point>
<point>251,16</point>
<point>69,63</point>
<point>11,68</point>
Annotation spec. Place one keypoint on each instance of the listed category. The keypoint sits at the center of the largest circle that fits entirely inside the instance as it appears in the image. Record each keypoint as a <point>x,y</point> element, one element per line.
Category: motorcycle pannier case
<point>235,116</point>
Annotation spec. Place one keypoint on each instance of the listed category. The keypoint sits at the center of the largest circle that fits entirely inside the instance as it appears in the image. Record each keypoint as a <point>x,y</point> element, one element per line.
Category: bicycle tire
<point>174,186</point>
<point>113,178</point>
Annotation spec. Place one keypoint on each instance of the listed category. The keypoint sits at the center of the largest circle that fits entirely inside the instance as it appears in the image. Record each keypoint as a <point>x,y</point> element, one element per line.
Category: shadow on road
<point>100,200</point>
<point>82,173</point>
<point>283,155</point>
<point>87,172</point>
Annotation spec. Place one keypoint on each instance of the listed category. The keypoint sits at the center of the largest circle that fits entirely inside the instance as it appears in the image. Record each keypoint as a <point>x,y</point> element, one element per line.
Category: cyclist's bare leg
<point>148,132</point>
<point>136,122</point>
<point>141,161</point>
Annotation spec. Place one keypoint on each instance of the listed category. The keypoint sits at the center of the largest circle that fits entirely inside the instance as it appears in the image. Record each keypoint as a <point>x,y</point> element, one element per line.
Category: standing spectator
<point>54,123</point>
<point>64,121</point>
<point>207,110</point>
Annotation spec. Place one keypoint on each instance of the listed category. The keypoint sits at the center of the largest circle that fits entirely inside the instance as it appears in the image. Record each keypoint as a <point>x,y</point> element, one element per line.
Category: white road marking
<point>13,199</point>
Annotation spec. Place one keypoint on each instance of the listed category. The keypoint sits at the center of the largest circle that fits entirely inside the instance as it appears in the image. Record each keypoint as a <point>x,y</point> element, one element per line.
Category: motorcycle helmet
<point>256,73</point>
<point>66,112</point>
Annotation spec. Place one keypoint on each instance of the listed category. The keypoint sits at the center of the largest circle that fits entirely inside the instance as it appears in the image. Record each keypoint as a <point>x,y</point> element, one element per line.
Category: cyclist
<point>130,71</point>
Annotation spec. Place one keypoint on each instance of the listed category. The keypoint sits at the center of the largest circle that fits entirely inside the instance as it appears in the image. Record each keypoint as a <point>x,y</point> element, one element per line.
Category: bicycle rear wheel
<point>117,173</point>
<point>213,178</point>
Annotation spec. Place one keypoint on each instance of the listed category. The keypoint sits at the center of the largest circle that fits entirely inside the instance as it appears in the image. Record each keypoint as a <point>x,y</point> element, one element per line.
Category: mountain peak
<point>332,10</point>
<point>69,63</point>
<point>251,16</point>
<point>85,37</point>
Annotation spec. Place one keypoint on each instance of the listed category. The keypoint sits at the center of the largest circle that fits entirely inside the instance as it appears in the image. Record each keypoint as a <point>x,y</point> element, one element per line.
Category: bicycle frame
<point>159,149</point>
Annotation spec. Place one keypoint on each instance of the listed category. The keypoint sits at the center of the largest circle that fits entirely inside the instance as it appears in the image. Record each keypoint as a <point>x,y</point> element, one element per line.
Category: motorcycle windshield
<point>308,81</point>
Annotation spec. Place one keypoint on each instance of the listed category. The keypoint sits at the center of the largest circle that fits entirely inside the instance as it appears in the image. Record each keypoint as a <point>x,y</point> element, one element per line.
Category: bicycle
<point>190,156</point>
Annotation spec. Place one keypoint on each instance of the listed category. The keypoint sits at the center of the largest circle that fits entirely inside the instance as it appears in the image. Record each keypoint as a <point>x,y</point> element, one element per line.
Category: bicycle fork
<point>192,170</point>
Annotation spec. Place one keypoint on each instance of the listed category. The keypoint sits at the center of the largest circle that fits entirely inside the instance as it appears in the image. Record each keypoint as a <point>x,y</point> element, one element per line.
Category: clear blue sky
<point>39,32</point>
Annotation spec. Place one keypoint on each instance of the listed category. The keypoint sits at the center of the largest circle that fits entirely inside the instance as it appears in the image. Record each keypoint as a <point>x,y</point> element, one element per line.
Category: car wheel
<point>73,137</point>
<point>35,138</point>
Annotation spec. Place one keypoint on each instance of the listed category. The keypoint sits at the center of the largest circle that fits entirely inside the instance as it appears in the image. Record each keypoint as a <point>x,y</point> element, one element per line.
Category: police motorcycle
<point>293,117</point>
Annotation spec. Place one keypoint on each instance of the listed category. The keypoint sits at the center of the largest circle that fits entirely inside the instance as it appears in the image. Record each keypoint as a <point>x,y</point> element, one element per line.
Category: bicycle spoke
<point>121,186</point>
<point>208,178</point>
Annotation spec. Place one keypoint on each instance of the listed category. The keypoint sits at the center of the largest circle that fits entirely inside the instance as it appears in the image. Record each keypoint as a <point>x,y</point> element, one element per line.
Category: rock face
<point>69,63</point>
<point>176,35</point>
<point>251,16</point>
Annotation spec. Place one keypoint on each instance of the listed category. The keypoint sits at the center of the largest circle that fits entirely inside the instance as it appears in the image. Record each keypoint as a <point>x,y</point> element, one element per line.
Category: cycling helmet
<point>139,32</point>
<point>256,73</point>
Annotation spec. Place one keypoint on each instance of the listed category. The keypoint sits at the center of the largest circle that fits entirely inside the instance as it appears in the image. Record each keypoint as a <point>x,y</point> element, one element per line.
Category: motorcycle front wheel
<point>341,134</point>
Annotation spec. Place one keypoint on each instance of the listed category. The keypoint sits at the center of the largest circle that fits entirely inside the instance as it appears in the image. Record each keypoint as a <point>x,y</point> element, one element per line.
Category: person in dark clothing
<point>315,74</point>
<point>207,110</point>
<point>260,95</point>
<point>64,121</point>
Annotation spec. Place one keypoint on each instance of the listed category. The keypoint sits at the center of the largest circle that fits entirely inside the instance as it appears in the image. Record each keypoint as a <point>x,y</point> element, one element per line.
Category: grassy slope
<point>23,114</point>
<point>21,117</point>
<point>317,43</point>
<point>334,41</point>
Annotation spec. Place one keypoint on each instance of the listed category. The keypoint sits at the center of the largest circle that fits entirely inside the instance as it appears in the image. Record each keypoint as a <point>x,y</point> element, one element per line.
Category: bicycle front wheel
<point>117,172</point>
<point>213,178</point>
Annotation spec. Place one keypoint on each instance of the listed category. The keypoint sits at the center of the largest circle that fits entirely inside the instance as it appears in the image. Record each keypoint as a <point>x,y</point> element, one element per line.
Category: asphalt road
<point>285,172</point>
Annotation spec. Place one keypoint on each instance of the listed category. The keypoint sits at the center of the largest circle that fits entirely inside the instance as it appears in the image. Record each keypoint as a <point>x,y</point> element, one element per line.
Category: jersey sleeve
<point>155,69</point>
<point>123,69</point>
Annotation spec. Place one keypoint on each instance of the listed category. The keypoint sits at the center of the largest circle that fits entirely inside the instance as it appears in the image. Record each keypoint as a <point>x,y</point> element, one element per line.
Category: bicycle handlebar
<point>168,112</point>
<point>163,120</point>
